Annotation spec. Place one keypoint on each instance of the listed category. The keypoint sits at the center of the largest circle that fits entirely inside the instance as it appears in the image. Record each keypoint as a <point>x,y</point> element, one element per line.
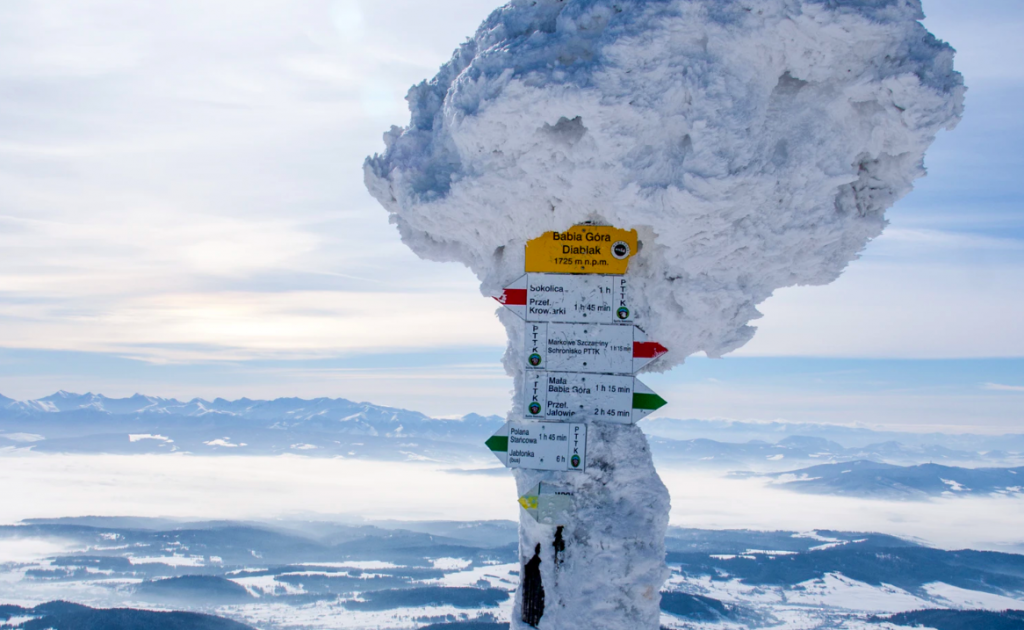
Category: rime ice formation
<point>754,144</point>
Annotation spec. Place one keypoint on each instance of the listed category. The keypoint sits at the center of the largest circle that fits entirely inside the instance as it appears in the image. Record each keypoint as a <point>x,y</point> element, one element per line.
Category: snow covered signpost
<point>743,145</point>
<point>583,363</point>
<point>581,351</point>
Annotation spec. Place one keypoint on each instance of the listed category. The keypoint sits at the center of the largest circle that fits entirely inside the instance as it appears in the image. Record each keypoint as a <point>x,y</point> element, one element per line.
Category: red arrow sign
<point>513,297</point>
<point>564,298</point>
<point>648,350</point>
<point>589,348</point>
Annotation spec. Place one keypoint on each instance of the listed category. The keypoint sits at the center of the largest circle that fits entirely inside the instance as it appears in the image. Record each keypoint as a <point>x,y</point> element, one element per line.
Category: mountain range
<point>867,478</point>
<point>91,423</point>
<point>343,415</point>
<point>325,427</point>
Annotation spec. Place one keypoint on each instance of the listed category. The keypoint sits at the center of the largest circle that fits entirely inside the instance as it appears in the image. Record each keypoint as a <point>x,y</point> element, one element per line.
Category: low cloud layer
<point>300,487</point>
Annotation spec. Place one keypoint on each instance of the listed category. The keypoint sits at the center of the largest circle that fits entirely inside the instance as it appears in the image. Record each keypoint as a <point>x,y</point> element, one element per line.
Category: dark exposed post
<point>533,591</point>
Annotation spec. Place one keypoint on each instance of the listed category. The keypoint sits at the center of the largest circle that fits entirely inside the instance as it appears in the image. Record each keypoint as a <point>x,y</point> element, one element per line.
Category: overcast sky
<point>182,214</point>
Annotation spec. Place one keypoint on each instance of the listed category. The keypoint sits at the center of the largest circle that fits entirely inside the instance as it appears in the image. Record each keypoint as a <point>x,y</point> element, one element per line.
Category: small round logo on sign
<point>575,461</point>
<point>623,312</point>
<point>535,408</point>
<point>621,250</point>
<point>535,360</point>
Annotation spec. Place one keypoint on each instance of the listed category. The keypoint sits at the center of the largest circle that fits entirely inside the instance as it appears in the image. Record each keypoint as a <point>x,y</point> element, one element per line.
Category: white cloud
<point>182,182</point>
<point>27,438</point>
<point>710,502</point>
<point>246,487</point>
<point>899,309</point>
<point>293,486</point>
<point>157,194</point>
<point>224,442</point>
<point>183,327</point>
<point>996,387</point>
<point>140,437</point>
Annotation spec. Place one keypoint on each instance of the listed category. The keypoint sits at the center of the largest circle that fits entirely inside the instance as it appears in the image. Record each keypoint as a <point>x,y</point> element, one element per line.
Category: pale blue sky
<point>182,214</point>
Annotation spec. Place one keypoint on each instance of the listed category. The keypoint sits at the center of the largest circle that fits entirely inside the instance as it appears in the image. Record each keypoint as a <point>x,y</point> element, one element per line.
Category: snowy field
<point>411,575</point>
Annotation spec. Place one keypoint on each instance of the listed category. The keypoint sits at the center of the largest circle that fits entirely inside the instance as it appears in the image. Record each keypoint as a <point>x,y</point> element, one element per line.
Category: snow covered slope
<point>412,576</point>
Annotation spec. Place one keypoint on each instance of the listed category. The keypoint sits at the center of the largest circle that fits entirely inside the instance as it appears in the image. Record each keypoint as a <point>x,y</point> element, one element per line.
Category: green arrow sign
<point>541,445</point>
<point>568,396</point>
<point>647,401</point>
<point>498,443</point>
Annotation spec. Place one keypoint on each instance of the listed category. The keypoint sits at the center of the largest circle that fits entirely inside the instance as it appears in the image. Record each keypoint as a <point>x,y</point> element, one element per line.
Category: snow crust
<point>753,144</point>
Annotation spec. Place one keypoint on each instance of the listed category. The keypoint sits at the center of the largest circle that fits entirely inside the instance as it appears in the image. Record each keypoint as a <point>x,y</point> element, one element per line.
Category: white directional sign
<point>541,445</point>
<point>546,297</point>
<point>602,397</point>
<point>591,348</point>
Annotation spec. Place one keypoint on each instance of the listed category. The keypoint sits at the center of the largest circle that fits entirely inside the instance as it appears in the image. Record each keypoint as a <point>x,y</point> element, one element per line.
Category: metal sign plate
<point>549,504</point>
<point>544,297</point>
<point>541,445</point>
<point>582,249</point>
<point>602,397</point>
<point>590,348</point>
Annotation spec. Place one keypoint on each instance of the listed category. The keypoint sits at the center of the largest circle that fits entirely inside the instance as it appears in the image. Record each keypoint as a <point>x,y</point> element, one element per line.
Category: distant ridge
<point>63,401</point>
<point>848,436</point>
<point>331,427</point>
<point>68,616</point>
<point>873,479</point>
<point>285,410</point>
<point>957,619</point>
<point>67,422</point>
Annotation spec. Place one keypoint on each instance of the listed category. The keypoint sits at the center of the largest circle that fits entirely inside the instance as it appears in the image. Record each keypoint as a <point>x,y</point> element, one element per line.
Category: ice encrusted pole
<point>604,566</point>
<point>753,144</point>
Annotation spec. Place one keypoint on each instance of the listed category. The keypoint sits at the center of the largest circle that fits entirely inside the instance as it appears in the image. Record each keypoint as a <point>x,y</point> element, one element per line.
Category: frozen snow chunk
<point>753,145</point>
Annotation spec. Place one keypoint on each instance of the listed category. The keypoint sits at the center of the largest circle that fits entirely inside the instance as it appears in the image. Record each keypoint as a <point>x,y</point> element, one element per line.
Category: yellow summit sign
<point>582,249</point>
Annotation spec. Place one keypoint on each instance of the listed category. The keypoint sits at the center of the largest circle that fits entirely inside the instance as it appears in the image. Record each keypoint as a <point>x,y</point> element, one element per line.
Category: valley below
<point>334,514</point>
